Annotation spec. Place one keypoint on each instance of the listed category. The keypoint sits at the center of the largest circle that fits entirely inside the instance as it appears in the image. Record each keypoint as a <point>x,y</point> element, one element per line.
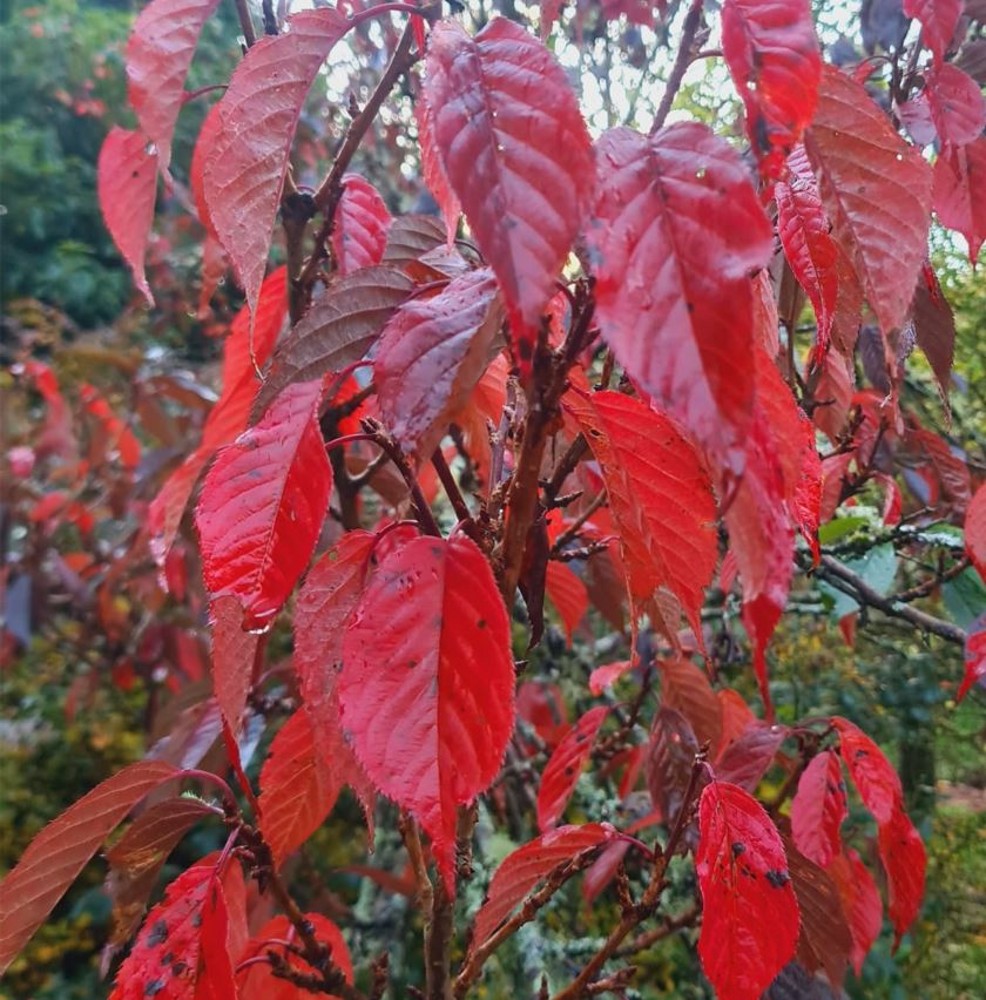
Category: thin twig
<point>571,532</point>
<point>246,23</point>
<point>681,63</point>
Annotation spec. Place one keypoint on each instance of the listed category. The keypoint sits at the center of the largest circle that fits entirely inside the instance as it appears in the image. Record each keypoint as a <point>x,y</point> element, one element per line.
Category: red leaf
<point>686,687</point>
<point>671,751</point>
<point>975,657</point>
<point>244,159</point>
<point>934,328</point>
<point>957,105</point>
<point>975,530</point>
<point>748,757</point>
<point>126,180</point>
<point>433,171</point>
<point>833,389</point>
<point>877,191</point>
<point>803,228</point>
<point>677,229</point>
<point>217,980</point>
<point>259,982</point>
<point>430,356</point>
<point>750,912</point>
<point>297,788</point>
<point>62,849</point>
<point>262,506</point>
<point>607,675</point>
<point>561,773</point>
<point>905,861</point>
<point>567,593</point>
<point>860,904</point>
<point>818,809</point>
<point>873,775</point>
<point>522,870</point>
<point>360,226</point>
<point>233,654</point>
<point>773,57</point>
<point>516,152</point>
<point>243,354</point>
<point>159,52</point>
<point>661,500</point>
<point>960,192</point>
<point>939,19</point>
<point>168,960</point>
<point>427,684</point>
<point>337,330</point>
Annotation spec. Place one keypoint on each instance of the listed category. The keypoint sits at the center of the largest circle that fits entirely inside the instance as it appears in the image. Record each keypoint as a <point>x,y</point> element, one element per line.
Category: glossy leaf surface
<point>262,506</point>
<point>750,922</point>
<point>516,152</point>
<point>360,226</point>
<point>676,230</point>
<point>818,809</point>
<point>905,862</point>
<point>873,775</point>
<point>427,682</point>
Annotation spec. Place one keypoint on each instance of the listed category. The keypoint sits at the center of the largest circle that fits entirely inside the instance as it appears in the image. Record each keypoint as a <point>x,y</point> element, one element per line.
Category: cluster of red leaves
<point>402,644</point>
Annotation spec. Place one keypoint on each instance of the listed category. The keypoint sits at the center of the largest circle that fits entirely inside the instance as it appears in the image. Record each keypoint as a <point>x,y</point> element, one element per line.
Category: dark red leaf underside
<point>337,330</point>
<point>126,180</point>
<point>773,57</point>
<point>522,870</point>
<point>661,500</point>
<point>934,328</point>
<point>748,757</point>
<point>670,758</point>
<point>430,356</point>
<point>686,688</point>
<point>957,105</point>
<point>818,809</point>
<point>245,158</point>
<point>360,226</point>
<point>262,506</point>
<point>861,904</point>
<point>55,857</point>
<point>427,684</point>
<point>297,788</point>
<point>677,229</point>
<point>159,52</point>
<point>234,653</point>
<point>876,190</point>
<point>561,773</point>
<point>750,912</point>
<point>517,154</point>
<point>960,192</point>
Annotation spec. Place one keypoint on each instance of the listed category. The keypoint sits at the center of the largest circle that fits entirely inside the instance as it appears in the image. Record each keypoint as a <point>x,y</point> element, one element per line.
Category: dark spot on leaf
<point>197,920</point>
<point>178,968</point>
<point>167,958</point>
<point>691,306</point>
<point>153,987</point>
<point>525,350</point>
<point>777,878</point>
<point>158,934</point>
<point>860,753</point>
<point>481,623</point>
<point>738,847</point>
<point>569,771</point>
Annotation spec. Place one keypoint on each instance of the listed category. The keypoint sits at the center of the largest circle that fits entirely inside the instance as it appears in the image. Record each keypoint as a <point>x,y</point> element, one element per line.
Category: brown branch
<point>684,58</point>
<point>855,586</point>
<point>633,915</point>
<point>246,23</point>
<point>450,486</point>
<point>669,926</point>
<point>570,533</point>
<point>566,465</point>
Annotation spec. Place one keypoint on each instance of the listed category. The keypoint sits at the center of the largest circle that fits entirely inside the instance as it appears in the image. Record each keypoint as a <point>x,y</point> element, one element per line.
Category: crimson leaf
<point>677,227</point>
<point>939,19</point>
<point>62,849</point>
<point>262,506</point>
<point>360,225</point>
<point>427,684</point>
<point>562,771</point>
<point>750,912</point>
<point>773,57</point>
<point>818,809</point>
<point>516,152</point>
<point>960,192</point>
<point>860,903</point>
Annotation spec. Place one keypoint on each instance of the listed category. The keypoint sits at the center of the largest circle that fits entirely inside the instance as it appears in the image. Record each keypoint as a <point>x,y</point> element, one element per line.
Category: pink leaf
<point>750,912</point>
<point>607,675</point>
<point>561,773</point>
<point>960,192</point>
<point>262,506</point>
<point>517,154</point>
<point>431,355</point>
<point>773,57</point>
<point>245,158</point>
<point>957,105</point>
<point>876,190</point>
<point>159,52</point>
<point>677,228</point>
<point>62,849</point>
<point>818,809</point>
<point>433,170</point>
<point>126,179</point>
<point>939,19</point>
<point>427,684</point>
<point>522,870</point>
<point>660,496</point>
<point>297,788</point>
<point>360,226</point>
